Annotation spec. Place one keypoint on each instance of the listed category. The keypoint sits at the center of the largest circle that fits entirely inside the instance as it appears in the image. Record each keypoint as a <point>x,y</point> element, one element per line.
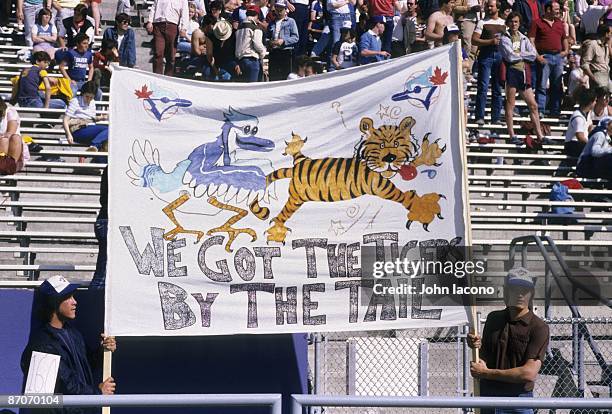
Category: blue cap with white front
<point>519,276</point>
<point>57,286</point>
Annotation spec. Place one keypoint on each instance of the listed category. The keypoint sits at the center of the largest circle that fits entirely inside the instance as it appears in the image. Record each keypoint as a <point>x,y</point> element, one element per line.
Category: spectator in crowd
<point>77,65</point>
<point>27,93</point>
<point>596,58</point>
<point>596,157</point>
<point>345,52</point>
<point>13,154</point>
<point>438,20</point>
<point>76,24</point>
<point>216,9</point>
<point>101,230</point>
<point>304,67</point>
<point>239,15</point>
<point>283,37</point>
<point>184,40</point>
<point>530,11</point>
<point>5,14</point>
<point>487,37</point>
<point>220,50</point>
<point>385,9</point>
<point>577,78</point>
<point>62,9</point>
<point>125,37</point>
<point>414,29</point>
<point>513,344</point>
<point>589,20</point>
<point>505,9</point>
<point>370,45</point>
<point>602,108</point>
<point>466,14</point>
<point>579,124</point>
<point>94,7</point>
<point>200,8</point>
<point>123,6</point>
<point>198,41</point>
<point>250,49</point>
<point>299,11</point>
<point>228,9</point>
<point>517,53</point>
<point>398,47</point>
<point>80,118</point>
<point>167,19</point>
<point>566,18</point>
<point>317,23</point>
<point>44,34</point>
<point>548,36</point>
<point>27,10</point>
<point>103,58</point>
<point>57,336</point>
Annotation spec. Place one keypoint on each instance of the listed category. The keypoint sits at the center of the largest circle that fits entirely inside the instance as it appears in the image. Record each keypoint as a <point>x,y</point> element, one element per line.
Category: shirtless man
<point>438,21</point>
<point>198,37</point>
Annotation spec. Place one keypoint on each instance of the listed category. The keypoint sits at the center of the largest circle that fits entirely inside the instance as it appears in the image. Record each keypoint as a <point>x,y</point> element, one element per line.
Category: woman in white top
<point>44,34</point>
<point>596,158</point>
<point>80,120</point>
<point>184,42</point>
<point>13,154</point>
<point>579,124</point>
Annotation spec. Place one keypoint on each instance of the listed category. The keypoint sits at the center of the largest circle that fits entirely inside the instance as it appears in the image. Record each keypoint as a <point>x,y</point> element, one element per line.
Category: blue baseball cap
<point>519,276</point>
<point>57,286</point>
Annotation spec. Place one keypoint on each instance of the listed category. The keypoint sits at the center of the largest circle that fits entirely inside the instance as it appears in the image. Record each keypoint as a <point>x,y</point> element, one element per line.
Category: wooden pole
<point>473,318</point>
<point>106,372</point>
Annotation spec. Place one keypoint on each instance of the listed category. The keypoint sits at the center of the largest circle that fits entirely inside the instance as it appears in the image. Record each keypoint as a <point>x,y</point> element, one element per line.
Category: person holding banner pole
<point>57,309</point>
<point>512,346</point>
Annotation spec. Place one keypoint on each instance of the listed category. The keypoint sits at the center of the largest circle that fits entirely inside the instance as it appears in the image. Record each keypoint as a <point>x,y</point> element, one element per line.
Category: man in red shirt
<point>548,36</point>
<point>386,10</point>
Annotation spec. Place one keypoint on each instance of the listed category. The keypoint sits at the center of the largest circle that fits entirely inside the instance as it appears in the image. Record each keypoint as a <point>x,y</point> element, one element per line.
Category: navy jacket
<point>522,8</point>
<point>127,50</point>
<point>75,374</point>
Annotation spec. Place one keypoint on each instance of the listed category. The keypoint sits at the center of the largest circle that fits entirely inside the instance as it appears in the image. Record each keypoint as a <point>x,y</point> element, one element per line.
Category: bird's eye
<point>247,129</point>
<point>254,131</point>
<point>382,145</point>
<point>396,143</point>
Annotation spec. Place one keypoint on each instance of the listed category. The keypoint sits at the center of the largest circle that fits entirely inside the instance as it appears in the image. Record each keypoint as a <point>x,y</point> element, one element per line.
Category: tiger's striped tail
<point>263,213</point>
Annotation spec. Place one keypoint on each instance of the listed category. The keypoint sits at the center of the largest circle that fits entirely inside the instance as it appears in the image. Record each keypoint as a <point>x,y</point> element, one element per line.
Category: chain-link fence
<point>435,362</point>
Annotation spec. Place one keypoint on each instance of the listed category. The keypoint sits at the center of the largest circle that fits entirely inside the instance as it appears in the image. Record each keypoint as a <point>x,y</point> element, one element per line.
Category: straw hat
<point>222,30</point>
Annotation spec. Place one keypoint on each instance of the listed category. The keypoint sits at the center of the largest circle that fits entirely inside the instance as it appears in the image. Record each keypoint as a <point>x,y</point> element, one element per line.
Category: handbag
<point>74,124</point>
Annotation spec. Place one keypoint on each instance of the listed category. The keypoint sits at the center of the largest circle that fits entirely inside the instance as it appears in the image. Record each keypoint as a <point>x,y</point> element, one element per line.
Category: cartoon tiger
<point>387,148</point>
<point>338,179</point>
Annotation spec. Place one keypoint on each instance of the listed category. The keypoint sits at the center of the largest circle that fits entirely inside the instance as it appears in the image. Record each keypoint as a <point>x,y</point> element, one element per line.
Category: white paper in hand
<point>42,374</point>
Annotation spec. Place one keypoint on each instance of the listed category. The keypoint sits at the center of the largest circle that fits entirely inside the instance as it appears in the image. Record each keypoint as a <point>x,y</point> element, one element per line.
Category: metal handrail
<point>304,400</point>
<point>274,401</point>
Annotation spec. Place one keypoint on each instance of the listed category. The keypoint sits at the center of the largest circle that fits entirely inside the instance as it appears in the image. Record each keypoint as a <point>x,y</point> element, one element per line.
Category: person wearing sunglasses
<point>125,38</point>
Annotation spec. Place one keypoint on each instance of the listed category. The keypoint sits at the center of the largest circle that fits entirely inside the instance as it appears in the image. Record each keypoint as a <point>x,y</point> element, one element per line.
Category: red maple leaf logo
<point>438,77</point>
<point>143,93</point>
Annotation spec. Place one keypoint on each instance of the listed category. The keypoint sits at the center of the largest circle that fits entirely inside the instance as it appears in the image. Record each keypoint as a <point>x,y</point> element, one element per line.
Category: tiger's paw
<point>277,233</point>
<point>424,209</point>
<point>430,152</point>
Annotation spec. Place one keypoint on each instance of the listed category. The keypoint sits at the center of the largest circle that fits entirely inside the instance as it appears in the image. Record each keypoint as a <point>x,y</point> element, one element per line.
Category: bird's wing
<point>142,163</point>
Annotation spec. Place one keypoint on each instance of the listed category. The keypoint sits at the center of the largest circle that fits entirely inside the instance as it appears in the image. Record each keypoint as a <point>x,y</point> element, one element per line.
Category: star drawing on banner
<point>336,226</point>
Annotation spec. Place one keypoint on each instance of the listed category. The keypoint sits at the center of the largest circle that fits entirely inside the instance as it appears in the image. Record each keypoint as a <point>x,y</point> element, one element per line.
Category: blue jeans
<point>488,70</point>
<point>321,44</point>
<point>553,71</point>
<point>509,410</point>
<point>38,102</point>
<point>250,68</point>
<point>183,47</point>
<point>29,17</point>
<point>99,278</point>
<point>94,135</point>
<point>336,23</point>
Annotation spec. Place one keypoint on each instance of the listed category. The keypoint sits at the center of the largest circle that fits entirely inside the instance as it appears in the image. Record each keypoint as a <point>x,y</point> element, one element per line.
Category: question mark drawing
<point>336,105</point>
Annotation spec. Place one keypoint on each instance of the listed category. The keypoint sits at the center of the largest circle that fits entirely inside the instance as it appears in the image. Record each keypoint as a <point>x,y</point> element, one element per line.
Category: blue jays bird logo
<point>160,104</point>
<point>422,88</point>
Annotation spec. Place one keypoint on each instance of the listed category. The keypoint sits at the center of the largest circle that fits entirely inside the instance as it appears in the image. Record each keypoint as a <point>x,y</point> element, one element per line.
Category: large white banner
<point>245,208</point>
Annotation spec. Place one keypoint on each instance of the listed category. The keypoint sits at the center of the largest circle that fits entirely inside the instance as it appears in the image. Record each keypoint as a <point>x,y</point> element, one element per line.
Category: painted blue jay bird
<point>213,170</point>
